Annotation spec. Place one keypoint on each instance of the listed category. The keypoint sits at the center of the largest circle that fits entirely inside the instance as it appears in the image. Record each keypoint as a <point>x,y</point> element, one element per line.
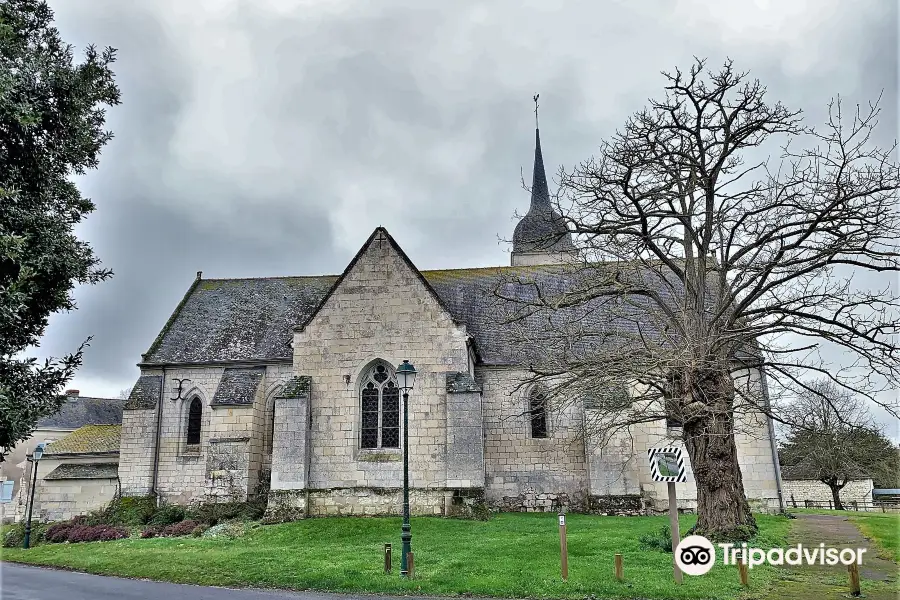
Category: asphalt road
<point>18,582</point>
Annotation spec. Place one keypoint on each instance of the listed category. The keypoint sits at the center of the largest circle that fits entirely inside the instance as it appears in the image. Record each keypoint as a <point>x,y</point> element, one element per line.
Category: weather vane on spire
<point>536,96</point>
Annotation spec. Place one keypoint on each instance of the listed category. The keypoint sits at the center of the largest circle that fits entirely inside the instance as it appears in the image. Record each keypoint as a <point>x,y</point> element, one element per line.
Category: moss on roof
<point>90,439</point>
<point>86,471</point>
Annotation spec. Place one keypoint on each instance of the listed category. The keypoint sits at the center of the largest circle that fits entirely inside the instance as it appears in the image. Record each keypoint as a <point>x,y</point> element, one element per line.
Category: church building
<point>287,386</point>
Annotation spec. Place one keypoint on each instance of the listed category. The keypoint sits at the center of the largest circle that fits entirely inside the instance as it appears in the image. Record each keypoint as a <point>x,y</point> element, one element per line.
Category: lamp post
<point>406,378</point>
<point>35,459</point>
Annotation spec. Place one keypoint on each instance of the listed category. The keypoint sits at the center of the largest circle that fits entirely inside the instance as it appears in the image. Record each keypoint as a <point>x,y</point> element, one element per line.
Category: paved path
<point>18,582</point>
<point>821,582</point>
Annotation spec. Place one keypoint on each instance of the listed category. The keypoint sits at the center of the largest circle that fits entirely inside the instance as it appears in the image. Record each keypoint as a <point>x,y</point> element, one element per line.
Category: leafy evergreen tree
<point>52,115</point>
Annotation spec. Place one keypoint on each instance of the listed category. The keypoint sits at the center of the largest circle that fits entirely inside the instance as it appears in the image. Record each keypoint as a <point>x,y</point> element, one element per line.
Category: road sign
<point>667,464</point>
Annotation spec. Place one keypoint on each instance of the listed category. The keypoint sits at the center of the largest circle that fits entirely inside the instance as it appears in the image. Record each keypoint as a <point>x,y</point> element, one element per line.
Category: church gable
<point>381,268</point>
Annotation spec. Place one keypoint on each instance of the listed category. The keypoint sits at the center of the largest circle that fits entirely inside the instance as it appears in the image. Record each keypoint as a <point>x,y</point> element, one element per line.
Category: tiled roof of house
<point>84,471</point>
<point>90,439</point>
<point>77,411</point>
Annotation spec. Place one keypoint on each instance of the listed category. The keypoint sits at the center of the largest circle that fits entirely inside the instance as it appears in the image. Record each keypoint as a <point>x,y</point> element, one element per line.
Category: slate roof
<point>252,319</point>
<point>296,387</point>
<point>238,386</point>
<point>90,439</point>
<point>84,471</point>
<point>238,319</point>
<point>77,411</point>
<point>145,392</point>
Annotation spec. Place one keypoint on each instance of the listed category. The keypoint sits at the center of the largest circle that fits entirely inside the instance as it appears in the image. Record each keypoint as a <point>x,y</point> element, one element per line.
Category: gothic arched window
<point>269,426</point>
<point>195,416</point>
<point>537,410</point>
<point>379,399</point>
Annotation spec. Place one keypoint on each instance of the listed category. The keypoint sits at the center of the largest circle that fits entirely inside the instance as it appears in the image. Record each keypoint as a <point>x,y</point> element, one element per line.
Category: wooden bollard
<point>744,573</point>
<point>620,572</point>
<point>387,558</point>
<point>853,568</point>
<point>410,565</point>
<point>563,547</point>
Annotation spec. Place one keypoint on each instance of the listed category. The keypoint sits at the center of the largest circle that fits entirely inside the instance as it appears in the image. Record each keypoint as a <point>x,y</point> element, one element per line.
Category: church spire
<point>542,233</point>
<point>540,194</point>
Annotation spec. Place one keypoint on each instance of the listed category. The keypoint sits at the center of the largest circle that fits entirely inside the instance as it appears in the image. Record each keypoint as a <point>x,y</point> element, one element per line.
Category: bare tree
<point>699,274</point>
<point>124,394</point>
<point>835,439</point>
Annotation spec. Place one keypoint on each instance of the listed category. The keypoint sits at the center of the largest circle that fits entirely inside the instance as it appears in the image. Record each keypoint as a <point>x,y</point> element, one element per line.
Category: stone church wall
<point>524,473</point>
<point>136,446</point>
<point>754,457</point>
<point>381,310</point>
<point>228,462</point>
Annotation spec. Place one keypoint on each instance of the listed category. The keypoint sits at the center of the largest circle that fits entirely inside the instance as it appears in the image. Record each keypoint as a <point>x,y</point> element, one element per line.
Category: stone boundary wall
<point>810,489</point>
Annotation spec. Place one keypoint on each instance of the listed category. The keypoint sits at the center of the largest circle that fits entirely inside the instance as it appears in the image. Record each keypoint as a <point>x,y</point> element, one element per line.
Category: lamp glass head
<point>406,376</point>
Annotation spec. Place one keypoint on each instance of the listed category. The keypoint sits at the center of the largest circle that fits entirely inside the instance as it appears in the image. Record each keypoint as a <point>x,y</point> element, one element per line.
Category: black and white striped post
<point>667,464</point>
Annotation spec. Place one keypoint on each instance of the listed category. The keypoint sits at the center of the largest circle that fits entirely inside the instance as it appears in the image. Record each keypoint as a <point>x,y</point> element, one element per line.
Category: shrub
<point>151,531</point>
<point>167,515</point>
<point>198,531</point>
<point>129,510</point>
<point>212,513</point>
<point>660,540</point>
<point>59,532</point>
<point>96,533</point>
<point>179,529</point>
<point>15,537</point>
<point>233,529</point>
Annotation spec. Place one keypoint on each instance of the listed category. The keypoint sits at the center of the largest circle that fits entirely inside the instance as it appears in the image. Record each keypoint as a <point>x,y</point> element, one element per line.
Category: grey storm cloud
<point>270,137</point>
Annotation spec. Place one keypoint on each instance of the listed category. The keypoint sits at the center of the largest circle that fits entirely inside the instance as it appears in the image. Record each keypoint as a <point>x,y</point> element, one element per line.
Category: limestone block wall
<point>229,458</point>
<point>290,449</point>
<point>62,499</point>
<point>182,469</point>
<point>521,472</point>
<point>612,465</point>
<point>754,457</point>
<point>796,491</point>
<point>136,446</point>
<point>465,439</point>
<point>370,502</point>
<point>380,310</point>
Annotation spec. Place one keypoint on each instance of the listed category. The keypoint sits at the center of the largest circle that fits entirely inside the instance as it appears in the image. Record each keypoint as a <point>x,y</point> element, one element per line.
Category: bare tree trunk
<point>836,494</point>
<point>723,512</point>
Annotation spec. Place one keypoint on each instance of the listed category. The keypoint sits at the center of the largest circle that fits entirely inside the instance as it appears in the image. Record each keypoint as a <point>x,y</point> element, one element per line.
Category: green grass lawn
<point>883,530</point>
<point>512,555</point>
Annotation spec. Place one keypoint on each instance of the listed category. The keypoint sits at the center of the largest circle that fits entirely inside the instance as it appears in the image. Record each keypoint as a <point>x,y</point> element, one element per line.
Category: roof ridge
<point>267,277</point>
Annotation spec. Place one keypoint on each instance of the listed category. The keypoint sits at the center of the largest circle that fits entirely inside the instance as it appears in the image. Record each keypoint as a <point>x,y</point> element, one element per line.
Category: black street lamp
<point>406,378</point>
<point>35,459</point>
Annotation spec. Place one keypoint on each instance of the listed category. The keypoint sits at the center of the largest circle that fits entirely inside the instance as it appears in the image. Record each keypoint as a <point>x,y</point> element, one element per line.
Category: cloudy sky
<point>269,137</point>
